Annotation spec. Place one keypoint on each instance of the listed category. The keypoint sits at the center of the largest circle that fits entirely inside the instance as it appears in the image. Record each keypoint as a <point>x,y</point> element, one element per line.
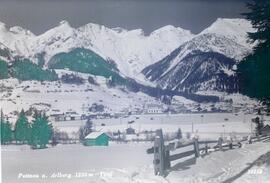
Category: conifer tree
<point>179,134</point>
<point>22,128</point>
<point>6,131</point>
<point>41,131</point>
<point>254,70</point>
<point>86,129</point>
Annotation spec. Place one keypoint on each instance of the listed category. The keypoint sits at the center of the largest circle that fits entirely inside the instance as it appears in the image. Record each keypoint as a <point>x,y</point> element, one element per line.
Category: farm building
<point>130,130</point>
<point>154,108</point>
<point>266,130</point>
<point>96,139</point>
<point>57,117</point>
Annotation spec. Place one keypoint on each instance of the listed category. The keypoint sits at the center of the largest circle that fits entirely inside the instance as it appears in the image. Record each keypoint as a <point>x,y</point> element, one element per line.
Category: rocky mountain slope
<point>207,61</point>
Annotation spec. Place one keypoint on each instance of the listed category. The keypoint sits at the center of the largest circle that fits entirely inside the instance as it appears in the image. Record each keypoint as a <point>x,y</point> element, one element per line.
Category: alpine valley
<point>94,65</point>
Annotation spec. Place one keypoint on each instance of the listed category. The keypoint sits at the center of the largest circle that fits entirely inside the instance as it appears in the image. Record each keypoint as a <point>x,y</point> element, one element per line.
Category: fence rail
<point>162,158</point>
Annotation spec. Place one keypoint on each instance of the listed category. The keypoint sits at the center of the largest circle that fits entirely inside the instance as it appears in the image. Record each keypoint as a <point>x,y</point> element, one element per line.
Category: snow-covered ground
<point>120,160</point>
<point>259,172</point>
<point>225,166</point>
<point>206,126</point>
<point>209,125</point>
<point>129,163</point>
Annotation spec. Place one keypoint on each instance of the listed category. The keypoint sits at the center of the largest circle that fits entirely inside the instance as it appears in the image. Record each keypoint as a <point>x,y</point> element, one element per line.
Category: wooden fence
<point>162,158</point>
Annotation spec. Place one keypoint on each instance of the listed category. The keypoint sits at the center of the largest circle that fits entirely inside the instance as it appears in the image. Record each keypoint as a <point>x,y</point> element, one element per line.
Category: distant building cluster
<point>153,108</point>
<point>67,116</point>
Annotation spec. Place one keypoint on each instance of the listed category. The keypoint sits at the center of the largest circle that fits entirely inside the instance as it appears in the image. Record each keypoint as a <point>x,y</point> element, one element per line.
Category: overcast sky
<point>195,15</point>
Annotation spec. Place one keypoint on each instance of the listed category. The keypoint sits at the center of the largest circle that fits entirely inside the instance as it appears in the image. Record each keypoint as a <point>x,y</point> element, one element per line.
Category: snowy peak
<point>15,30</point>
<point>62,29</point>
<point>3,27</point>
<point>235,29</point>
<point>171,28</point>
<point>64,22</point>
<point>119,30</point>
<point>21,31</point>
<point>90,27</point>
<point>229,26</point>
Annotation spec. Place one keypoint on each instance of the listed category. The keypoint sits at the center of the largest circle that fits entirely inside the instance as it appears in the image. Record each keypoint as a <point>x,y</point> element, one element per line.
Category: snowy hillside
<point>235,29</point>
<point>59,97</point>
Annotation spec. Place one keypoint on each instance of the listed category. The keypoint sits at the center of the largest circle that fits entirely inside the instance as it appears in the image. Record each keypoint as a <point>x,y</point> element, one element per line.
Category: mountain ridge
<point>139,56</point>
<point>119,45</point>
<point>131,50</point>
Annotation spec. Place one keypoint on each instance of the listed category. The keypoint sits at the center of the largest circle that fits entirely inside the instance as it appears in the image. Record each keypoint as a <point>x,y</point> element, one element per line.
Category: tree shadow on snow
<point>263,159</point>
<point>184,165</point>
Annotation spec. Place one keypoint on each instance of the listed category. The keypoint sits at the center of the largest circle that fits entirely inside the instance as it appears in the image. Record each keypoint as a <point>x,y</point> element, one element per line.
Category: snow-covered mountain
<point>159,55</point>
<point>235,29</point>
<point>130,50</point>
<point>197,71</point>
<point>206,61</point>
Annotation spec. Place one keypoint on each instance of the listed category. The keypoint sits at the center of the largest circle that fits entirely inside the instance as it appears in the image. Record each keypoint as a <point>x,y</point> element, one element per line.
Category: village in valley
<point>123,116</point>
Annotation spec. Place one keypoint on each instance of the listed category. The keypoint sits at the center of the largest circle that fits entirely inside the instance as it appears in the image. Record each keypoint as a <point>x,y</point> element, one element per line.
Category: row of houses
<point>151,108</point>
<point>68,116</point>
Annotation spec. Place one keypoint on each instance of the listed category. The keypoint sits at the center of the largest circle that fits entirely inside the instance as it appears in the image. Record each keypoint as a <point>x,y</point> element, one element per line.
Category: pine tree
<point>41,131</point>
<point>179,134</point>
<point>253,71</point>
<point>6,131</point>
<point>86,129</point>
<point>22,128</point>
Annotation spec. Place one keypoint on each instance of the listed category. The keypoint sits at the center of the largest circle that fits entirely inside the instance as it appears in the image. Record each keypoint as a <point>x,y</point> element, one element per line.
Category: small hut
<point>96,139</point>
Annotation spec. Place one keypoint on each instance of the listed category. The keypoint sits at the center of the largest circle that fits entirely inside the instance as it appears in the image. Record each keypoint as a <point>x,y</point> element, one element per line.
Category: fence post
<point>167,162</point>
<point>196,147</point>
<point>231,143</point>
<point>220,140</point>
<point>206,148</point>
<point>159,154</point>
<point>249,139</point>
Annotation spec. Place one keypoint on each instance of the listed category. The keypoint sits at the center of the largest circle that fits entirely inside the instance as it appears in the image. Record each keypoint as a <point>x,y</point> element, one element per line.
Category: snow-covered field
<point>209,125</point>
<point>129,163</point>
<point>69,159</point>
